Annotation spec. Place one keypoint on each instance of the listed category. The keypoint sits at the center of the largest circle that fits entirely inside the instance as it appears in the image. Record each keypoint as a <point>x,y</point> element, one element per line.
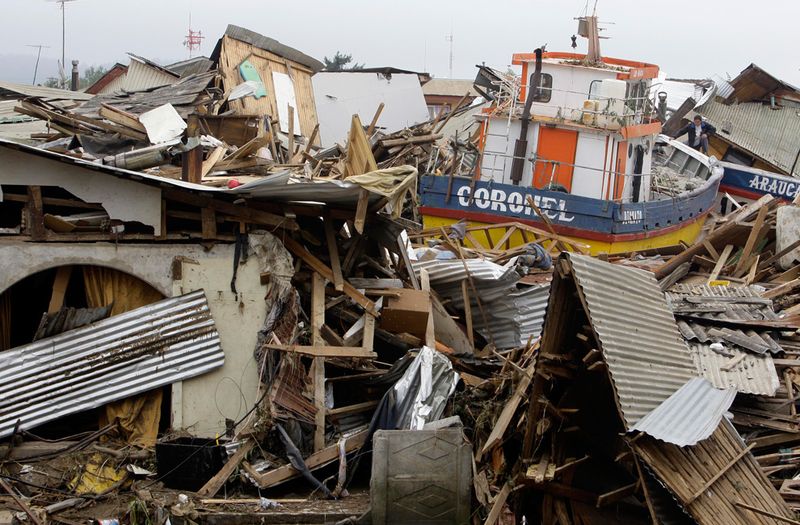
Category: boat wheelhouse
<point>576,137</point>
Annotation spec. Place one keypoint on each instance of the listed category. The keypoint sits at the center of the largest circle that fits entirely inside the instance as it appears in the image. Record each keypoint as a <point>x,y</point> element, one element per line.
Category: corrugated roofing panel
<point>640,341</point>
<point>689,415</point>
<point>112,359</point>
<point>746,372</point>
<point>771,134</point>
<point>142,76</point>
<point>515,317</point>
<point>16,91</point>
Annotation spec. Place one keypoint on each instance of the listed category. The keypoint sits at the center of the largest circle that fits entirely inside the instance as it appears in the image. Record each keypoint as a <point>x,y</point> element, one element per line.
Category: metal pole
<point>63,43</point>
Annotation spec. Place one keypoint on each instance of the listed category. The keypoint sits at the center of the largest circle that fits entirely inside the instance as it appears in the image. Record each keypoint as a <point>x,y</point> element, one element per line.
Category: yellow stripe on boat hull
<point>686,234</point>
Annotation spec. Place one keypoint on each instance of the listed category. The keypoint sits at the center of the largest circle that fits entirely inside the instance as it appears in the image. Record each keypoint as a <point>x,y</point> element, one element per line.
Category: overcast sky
<point>687,38</point>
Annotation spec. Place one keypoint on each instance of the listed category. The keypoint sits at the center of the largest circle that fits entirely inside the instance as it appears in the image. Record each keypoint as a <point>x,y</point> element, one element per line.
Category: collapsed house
<point>204,312</point>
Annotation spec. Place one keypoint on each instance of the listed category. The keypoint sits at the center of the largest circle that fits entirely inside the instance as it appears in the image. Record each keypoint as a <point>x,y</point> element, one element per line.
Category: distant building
<point>443,94</point>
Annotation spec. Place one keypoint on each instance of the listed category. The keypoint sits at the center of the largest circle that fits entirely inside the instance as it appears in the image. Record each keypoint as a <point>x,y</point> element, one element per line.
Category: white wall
<point>587,179</point>
<point>499,151</point>
<point>201,404</point>
<point>339,96</point>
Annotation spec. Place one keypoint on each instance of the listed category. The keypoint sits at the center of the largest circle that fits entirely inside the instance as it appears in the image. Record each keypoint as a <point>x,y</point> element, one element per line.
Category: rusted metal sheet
<point>112,359</point>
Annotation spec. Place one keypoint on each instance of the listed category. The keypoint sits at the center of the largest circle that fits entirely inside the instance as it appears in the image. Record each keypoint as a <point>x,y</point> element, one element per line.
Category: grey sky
<point>686,38</point>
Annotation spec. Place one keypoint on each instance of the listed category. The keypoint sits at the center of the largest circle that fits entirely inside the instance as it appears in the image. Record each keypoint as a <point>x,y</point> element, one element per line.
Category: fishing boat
<point>746,184</point>
<point>575,148</point>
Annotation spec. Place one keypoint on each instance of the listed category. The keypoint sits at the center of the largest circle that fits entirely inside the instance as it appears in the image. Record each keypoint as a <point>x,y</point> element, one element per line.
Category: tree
<point>90,75</point>
<point>340,61</point>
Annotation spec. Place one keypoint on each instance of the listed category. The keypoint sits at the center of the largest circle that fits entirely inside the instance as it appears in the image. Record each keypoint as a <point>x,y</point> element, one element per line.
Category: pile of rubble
<point>491,383</point>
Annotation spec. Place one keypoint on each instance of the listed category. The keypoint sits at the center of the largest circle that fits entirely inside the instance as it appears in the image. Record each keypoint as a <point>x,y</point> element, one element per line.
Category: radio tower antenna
<point>194,39</point>
<point>449,38</point>
<point>63,40</point>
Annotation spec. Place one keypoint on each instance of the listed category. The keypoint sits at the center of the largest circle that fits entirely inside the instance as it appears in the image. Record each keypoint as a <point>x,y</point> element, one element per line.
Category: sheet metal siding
<point>773,135</point>
<point>645,352</point>
<point>112,359</point>
<point>514,318</point>
<point>141,77</point>
<point>753,374</point>
<point>689,415</point>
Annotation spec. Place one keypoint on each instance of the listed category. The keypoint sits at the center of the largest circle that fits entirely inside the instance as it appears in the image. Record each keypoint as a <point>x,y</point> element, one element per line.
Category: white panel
<point>284,95</point>
<point>587,180</point>
<point>340,95</point>
<point>499,151</point>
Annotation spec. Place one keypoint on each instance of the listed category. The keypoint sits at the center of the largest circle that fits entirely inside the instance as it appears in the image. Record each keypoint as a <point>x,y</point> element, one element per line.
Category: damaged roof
<point>771,134</point>
<point>267,44</point>
<point>640,341</point>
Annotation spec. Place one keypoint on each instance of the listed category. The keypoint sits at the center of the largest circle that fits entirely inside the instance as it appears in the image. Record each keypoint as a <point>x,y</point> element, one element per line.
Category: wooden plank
<point>212,486</point>
<point>765,512</point>
<point>325,351</point>
<point>353,409</point>
<point>361,210</point>
<point>36,227</point>
<point>359,158</point>
<point>299,251</point>
<point>192,165</point>
<point>24,506</point>
<point>498,504</point>
<point>315,460</point>
<point>467,312</point>
<point>291,133</point>
<point>317,322</point>
<point>723,258</point>
<point>121,117</point>
<point>211,161</point>
<point>374,122</point>
<point>244,213</point>
<point>59,289</point>
<point>510,408</point>
<point>208,222</point>
<point>616,495</point>
<point>388,143</point>
<point>721,472</point>
<point>755,233</point>
<point>430,334</point>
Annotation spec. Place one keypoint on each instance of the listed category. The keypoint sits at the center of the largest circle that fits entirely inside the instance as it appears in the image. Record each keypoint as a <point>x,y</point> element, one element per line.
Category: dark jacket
<point>707,128</point>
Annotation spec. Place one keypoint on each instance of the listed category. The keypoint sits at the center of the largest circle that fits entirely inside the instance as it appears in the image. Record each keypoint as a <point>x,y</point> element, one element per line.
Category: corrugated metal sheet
<point>640,341</point>
<point>514,313</point>
<point>142,76</point>
<point>689,415</point>
<point>118,357</point>
<point>771,134</point>
<point>750,374</point>
<point>16,91</point>
<point>69,319</point>
<point>192,66</point>
<point>515,317</point>
<point>735,366</point>
<point>182,95</point>
<point>723,86</point>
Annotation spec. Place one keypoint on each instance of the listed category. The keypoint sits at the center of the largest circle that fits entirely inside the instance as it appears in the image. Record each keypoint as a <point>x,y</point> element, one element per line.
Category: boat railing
<point>594,110</point>
<point>610,178</point>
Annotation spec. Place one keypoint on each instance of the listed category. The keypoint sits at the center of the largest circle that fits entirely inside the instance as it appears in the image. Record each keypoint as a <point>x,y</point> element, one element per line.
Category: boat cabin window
<point>594,89</point>
<point>636,95</point>
<point>545,88</point>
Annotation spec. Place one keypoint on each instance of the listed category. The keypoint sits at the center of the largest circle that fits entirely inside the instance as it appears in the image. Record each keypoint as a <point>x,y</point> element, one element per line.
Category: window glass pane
<point>545,88</point>
<point>594,89</point>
